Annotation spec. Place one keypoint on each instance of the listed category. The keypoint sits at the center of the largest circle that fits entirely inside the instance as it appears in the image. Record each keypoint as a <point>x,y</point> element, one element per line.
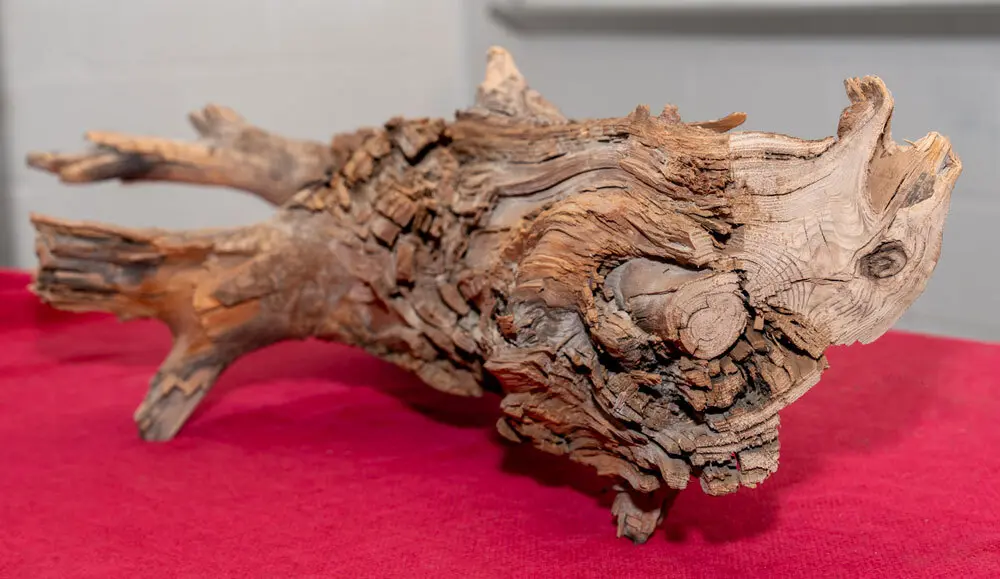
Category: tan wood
<point>646,293</point>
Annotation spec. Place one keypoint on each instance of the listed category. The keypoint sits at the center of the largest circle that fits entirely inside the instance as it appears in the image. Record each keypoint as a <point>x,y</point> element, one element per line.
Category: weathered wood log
<point>646,294</point>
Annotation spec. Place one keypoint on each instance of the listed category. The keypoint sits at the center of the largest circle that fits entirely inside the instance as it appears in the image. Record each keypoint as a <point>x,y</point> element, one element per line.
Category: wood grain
<point>646,293</point>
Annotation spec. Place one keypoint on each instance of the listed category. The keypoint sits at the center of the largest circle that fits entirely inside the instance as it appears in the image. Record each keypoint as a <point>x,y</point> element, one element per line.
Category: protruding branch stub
<point>505,91</point>
<point>229,153</point>
<point>702,313</point>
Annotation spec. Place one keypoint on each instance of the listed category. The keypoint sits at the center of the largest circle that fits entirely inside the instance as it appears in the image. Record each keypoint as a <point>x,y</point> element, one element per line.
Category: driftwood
<point>645,293</point>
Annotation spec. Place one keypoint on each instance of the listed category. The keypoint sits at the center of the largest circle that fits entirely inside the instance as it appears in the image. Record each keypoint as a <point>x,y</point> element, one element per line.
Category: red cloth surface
<point>314,460</point>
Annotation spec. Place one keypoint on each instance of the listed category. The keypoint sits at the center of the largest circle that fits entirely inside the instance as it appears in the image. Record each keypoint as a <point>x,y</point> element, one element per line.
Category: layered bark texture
<point>645,293</point>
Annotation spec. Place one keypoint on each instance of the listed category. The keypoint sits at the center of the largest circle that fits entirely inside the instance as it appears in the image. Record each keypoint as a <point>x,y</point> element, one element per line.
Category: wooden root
<point>230,153</point>
<point>646,293</point>
<point>148,273</point>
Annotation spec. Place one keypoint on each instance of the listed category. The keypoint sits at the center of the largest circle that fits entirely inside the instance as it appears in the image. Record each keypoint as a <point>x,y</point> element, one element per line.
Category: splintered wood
<point>645,293</point>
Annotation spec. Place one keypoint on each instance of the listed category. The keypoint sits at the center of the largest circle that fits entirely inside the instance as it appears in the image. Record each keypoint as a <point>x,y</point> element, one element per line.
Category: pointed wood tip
<point>725,124</point>
<point>42,160</point>
<point>870,101</point>
<point>504,91</point>
<point>501,69</point>
<point>670,114</point>
<point>42,219</point>
<point>213,118</point>
<point>641,113</point>
<point>866,88</point>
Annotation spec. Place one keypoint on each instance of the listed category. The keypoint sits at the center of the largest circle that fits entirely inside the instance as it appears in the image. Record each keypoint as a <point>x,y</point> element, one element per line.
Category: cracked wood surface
<point>645,293</point>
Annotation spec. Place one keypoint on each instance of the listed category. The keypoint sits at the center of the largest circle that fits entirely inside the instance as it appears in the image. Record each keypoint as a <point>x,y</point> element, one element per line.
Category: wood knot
<point>701,312</point>
<point>887,260</point>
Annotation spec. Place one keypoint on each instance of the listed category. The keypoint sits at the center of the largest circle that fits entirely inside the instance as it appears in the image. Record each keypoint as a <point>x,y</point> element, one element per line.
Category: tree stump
<point>645,293</point>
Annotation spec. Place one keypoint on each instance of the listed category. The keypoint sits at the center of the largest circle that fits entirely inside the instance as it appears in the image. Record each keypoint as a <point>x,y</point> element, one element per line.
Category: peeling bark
<point>646,294</point>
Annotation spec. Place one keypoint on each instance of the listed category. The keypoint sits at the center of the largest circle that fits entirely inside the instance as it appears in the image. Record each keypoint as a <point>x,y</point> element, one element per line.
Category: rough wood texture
<point>646,294</point>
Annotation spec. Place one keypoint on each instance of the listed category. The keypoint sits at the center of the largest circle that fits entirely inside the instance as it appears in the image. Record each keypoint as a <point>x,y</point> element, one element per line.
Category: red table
<point>314,460</point>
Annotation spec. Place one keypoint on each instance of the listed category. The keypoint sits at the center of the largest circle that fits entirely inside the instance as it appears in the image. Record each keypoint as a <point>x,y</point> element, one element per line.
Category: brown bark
<point>646,293</point>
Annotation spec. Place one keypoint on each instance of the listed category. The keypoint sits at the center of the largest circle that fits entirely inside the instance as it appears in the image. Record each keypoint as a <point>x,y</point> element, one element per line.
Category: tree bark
<point>646,294</point>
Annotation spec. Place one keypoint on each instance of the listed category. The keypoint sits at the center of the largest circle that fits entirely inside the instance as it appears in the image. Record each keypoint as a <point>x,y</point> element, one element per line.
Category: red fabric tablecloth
<point>314,460</point>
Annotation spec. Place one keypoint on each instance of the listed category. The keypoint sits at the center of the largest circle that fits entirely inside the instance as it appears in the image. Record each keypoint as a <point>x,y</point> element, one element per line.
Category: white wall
<point>304,68</point>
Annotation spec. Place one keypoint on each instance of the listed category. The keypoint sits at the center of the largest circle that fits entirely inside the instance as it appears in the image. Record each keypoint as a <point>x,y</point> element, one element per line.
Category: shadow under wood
<point>143,345</point>
<point>352,368</point>
<point>870,398</point>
